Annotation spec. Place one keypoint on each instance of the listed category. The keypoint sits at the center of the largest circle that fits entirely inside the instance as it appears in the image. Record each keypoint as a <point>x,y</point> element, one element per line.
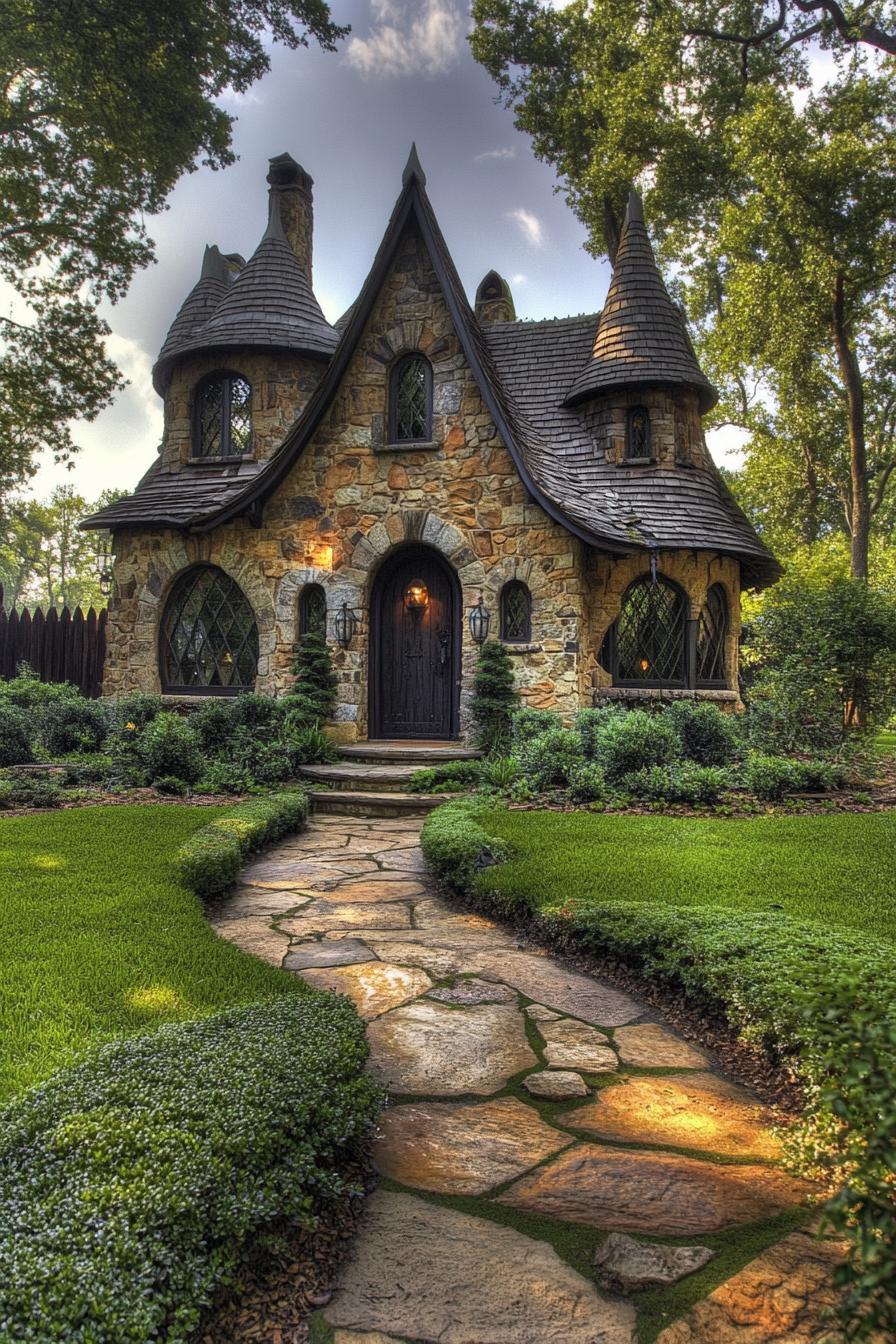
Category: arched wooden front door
<point>415,615</point>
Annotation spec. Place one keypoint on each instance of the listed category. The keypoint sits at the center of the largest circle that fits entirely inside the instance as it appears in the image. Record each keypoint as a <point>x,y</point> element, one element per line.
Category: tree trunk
<point>860,503</point>
<point>810,517</point>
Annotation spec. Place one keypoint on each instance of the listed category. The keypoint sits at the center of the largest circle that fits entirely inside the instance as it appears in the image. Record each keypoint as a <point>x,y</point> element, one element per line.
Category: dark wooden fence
<point>59,645</point>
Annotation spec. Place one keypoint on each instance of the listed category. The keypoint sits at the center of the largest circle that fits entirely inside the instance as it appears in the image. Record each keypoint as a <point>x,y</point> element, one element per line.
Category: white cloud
<point>519,279</point>
<point>530,226</point>
<point>495,154</point>
<point>408,37</point>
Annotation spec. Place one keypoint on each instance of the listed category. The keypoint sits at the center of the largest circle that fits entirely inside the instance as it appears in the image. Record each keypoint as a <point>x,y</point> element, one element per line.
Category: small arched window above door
<point>410,400</point>
<point>313,611</point>
<point>208,640</point>
<point>222,417</point>
<point>516,613</point>
<point>712,635</point>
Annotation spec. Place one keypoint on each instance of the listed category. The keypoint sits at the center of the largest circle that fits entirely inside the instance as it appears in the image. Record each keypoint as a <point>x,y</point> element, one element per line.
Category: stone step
<point>408,753</point>
<point>361,775</point>
<point>359,803</point>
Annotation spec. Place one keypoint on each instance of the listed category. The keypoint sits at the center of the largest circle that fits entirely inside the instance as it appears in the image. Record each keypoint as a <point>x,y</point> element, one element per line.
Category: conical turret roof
<point>199,305</point>
<point>641,337</point>
<point>270,304</point>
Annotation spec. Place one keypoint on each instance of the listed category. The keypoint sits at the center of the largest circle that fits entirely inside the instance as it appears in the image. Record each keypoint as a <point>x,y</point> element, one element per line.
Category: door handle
<point>443,647</point>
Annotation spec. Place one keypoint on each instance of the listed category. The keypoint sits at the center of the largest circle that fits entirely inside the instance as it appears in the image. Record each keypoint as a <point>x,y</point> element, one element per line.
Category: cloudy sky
<point>404,74</point>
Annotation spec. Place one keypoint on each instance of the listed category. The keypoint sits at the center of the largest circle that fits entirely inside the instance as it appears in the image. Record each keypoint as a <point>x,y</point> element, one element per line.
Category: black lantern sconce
<point>480,620</point>
<point>104,559</point>
<point>345,623</point>
<point>416,596</point>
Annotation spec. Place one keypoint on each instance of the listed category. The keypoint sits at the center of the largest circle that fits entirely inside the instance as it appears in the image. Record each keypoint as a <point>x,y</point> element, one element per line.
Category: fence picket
<point>59,645</point>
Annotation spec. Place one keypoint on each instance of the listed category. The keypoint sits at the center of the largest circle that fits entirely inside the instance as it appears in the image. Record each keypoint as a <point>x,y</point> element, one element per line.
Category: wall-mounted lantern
<point>416,596</point>
<point>480,620</point>
<point>344,624</point>
<point>104,561</point>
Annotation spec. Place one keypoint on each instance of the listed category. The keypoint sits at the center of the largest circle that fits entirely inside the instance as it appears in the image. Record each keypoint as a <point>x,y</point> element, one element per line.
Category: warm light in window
<point>416,596</point>
<point>644,664</point>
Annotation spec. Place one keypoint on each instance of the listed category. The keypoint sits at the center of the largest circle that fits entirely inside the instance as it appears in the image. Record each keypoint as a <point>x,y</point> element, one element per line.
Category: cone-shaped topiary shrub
<point>313,694</point>
<point>495,698</point>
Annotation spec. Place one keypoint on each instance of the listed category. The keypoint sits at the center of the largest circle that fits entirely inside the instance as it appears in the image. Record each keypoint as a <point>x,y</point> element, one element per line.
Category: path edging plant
<point>210,861</point>
<point>824,1002</point>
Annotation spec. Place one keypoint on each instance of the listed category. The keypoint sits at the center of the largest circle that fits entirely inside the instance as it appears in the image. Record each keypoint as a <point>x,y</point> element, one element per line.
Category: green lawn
<point>97,939</point>
<point>885,742</point>
<point>835,870</point>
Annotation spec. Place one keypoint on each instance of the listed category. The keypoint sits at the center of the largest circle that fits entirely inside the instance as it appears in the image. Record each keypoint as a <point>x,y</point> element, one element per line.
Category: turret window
<point>410,401</point>
<point>223,417</point>
<point>637,434</point>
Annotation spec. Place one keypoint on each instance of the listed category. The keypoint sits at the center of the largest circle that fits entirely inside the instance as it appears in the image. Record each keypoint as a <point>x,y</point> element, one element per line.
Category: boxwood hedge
<point>821,1001</point>
<point>131,1183</point>
<point>211,859</point>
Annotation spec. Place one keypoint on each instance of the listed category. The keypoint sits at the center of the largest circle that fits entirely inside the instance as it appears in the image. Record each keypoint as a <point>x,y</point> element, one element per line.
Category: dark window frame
<point>227,378</point>
<point>609,651</point>
<point>713,625</point>
<point>170,659</point>
<point>630,454</point>
<point>510,588</point>
<point>310,594</point>
<point>395,376</point>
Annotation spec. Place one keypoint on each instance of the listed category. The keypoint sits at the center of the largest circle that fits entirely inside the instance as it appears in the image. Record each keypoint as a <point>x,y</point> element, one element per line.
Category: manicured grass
<point>98,940</point>
<point>884,742</point>
<point>835,871</point>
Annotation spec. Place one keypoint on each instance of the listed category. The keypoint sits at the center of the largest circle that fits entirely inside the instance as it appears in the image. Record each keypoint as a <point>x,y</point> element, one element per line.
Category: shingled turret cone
<point>196,309</point>
<point>641,335</point>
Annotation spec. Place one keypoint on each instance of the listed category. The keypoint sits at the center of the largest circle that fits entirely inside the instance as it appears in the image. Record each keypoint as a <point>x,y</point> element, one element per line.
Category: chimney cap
<point>285,172</point>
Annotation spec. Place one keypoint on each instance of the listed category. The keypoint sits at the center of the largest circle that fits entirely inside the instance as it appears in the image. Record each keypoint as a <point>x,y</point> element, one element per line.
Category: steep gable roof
<point>641,336</point>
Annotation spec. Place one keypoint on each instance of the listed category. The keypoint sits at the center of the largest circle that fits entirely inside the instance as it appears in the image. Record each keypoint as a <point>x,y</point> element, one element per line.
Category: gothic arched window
<point>222,417</point>
<point>208,642</point>
<point>647,640</point>
<point>712,634</point>
<point>410,400</point>
<point>516,613</point>
<point>313,611</point>
<point>637,433</point>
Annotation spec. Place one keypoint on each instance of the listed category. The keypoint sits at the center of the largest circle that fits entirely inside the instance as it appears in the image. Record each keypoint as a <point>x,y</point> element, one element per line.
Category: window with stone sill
<point>637,434</point>
<point>410,400</point>
<point>222,419</point>
<point>647,643</point>
<point>516,613</point>
<point>712,636</point>
<point>208,641</point>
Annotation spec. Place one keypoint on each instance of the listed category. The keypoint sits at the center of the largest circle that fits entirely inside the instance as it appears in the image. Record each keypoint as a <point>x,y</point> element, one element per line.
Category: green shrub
<point>132,1184</point>
<point>500,773</point>
<point>308,746</point>
<point>169,746</point>
<point>452,777</point>
<point>634,741</point>
<point>210,861</point>
<point>770,777</point>
<point>72,724</point>
<point>313,694</point>
<point>547,761</point>
<point>27,691</point>
<point>495,698</point>
<point>819,776</point>
<point>221,777</point>
<point>15,738</point>
<point>683,782</point>
<point>456,846</point>
<point>139,708</point>
<point>587,783</point>
<point>178,788</point>
<point>529,723</point>
<point>708,736</point>
<point>590,723</point>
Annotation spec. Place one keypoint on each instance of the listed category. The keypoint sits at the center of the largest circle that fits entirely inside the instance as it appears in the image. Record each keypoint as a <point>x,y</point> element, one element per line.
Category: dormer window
<point>410,401</point>
<point>637,434</point>
<point>222,424</point>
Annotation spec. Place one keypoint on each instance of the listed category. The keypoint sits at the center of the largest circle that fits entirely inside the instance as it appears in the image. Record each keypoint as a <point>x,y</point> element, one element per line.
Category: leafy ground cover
<point>834,871</point>
<point>98,939</point>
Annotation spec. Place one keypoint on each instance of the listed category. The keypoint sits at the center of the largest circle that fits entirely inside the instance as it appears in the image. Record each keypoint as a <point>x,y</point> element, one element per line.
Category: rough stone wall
<point>352,499</point>
<point>676,430</point>
<point>281,385</point>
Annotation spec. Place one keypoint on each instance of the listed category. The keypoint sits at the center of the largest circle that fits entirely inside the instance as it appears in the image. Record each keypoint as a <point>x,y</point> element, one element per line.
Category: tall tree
<point>772,195</point>
<point>45,561</point>
<point>104,104</point>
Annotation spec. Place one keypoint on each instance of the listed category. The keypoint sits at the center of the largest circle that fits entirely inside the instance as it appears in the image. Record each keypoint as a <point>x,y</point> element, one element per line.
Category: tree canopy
<point>770,189</point>
<point>45,560</point>
<point>105,104</point>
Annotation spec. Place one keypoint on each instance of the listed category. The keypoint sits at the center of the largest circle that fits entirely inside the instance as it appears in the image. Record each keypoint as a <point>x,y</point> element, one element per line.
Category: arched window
<point>313,611</point>
<point>222,420</point>
<point>647,645</point>
<point>516,613</point>
<point>208,640</point>
<point>410,401</point>
<point>637,433</point>
<point>712,634</point>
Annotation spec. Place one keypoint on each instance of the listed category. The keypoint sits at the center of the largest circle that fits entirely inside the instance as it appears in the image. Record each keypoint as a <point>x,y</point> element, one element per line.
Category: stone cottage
<point>421,475</point>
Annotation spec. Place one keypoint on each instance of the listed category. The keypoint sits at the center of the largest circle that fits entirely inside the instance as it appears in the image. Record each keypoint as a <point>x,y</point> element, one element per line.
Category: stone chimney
<point>291,186</point>
<point>494,301</point>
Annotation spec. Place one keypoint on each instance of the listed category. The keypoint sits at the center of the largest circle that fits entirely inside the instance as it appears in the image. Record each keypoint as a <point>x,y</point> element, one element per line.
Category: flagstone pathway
<point>529,1104</point>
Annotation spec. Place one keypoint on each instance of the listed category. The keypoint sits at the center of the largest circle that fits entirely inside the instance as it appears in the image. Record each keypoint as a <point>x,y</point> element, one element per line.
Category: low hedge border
<point>211,859</point>
<point>824,1002</point>
<point>132,1183</point>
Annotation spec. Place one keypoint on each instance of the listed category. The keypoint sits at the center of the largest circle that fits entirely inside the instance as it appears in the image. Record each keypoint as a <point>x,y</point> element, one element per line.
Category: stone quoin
<point>377,478</point>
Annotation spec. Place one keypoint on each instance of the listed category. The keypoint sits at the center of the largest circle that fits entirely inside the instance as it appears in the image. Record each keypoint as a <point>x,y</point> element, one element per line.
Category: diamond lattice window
<point>411,401</point>
<point>650,634</point>
<point>516,613</point>
<point>637,433</point>
<point>209,639</point>
<point>313,611</point>
<point>711,636</point>
<point>223,417</point>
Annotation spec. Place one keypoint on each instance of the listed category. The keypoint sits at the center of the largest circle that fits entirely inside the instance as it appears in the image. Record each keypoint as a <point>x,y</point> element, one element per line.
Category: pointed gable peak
<point>413,169</point>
